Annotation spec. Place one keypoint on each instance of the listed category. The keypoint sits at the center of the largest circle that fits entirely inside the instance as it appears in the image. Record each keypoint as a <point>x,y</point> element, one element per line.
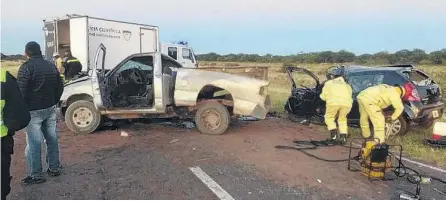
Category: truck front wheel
<point>212,118</point>
<point>82,117</point>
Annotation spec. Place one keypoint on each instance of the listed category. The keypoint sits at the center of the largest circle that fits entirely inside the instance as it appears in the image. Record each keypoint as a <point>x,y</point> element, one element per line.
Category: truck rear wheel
<point>82,117</point>
<point>212,118</point>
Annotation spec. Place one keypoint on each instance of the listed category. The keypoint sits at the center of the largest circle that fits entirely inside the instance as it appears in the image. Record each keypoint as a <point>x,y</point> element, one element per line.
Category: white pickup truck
<point>153,85</point>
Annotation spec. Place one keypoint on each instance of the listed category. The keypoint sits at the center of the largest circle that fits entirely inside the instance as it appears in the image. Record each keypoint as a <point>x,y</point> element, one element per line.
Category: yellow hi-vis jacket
<point>59,65</point>
<point>3,128</point>
<point>383,96</point>
<point>337,92</point>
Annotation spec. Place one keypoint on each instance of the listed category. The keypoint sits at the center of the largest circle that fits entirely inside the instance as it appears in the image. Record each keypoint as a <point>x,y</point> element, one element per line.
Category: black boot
<point>333,135</point>
<point>342,139</point>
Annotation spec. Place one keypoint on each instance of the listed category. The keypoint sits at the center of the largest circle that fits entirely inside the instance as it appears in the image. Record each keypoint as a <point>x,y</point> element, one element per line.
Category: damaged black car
<point>422,102</point>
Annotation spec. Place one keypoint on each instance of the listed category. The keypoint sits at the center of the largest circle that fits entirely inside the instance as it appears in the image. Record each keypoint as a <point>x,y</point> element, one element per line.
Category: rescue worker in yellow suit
<point>338,97</point>
<point>372,101</point>
<point>59,64</point>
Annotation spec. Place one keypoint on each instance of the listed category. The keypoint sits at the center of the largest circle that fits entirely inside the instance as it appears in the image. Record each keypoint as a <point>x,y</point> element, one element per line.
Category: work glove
<point>389,120</point>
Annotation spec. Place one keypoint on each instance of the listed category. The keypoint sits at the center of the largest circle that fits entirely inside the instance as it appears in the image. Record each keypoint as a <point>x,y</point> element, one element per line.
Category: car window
<point>173,52</point>
<point>418,78</point>
<point>361,82</point>
<point>187,54</point>
<point>144,63</point>
<point>302,79</point>
<point>166,62</point>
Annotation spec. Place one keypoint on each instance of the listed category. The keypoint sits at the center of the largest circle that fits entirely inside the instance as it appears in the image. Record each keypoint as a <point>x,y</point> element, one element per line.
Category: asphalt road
<point>154,163</point>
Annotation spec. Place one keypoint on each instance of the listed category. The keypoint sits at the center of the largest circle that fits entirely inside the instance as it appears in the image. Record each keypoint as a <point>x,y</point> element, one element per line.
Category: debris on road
<point>247,118</point>
<point>179,124</point>
<point>318,180</point>
<point>174,141</point>
<point>124,134</point>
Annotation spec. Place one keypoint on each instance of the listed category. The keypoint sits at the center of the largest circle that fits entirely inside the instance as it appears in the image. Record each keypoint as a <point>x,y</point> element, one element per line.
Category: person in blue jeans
<point>41,86</point>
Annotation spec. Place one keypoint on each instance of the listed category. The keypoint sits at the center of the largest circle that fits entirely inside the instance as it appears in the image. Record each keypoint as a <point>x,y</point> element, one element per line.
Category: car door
<point>305,91</point>
<point>97,75</point>
<point>295,73</point>
<point>359,82</point>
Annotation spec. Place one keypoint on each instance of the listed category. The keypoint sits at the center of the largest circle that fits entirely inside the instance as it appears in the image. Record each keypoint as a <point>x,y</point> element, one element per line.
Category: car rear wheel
<point>212,119</point>
<point>399,128</point>
<point>82,117</point>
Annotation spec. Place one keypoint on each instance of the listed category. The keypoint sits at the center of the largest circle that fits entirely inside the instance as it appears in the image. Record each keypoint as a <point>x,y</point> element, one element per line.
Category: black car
<point>422,102</point>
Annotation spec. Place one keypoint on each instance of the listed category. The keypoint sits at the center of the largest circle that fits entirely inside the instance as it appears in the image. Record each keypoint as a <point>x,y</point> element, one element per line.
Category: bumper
<point>426,115</point>
<point>261,110</point>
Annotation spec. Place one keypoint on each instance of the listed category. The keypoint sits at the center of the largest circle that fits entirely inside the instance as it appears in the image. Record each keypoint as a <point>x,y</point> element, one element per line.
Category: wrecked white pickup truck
<point>153,85</point>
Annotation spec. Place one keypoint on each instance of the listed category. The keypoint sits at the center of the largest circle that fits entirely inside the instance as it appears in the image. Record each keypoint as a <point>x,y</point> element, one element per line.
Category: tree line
<point>415,56</point>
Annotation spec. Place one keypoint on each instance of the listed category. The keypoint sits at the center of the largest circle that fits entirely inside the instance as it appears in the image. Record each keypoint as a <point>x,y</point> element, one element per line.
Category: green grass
<point>279,90</point>
<point>11,66</point>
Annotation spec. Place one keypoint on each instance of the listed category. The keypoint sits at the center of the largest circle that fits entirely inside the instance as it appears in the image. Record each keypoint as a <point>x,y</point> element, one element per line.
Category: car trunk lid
<point>428,90</point>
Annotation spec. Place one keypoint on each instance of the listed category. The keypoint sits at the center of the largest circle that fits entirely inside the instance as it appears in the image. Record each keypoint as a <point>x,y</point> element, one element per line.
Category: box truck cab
<point>181,52</point>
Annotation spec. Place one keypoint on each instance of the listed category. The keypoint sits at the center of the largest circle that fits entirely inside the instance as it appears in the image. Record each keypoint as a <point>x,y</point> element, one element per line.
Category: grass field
<point>279,90</point>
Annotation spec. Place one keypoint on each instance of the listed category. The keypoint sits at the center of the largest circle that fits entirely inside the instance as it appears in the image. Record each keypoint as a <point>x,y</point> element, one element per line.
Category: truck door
<point>97,75</point>
<point>148,40</point>
<point>187,58</point>
<point>49,29</point>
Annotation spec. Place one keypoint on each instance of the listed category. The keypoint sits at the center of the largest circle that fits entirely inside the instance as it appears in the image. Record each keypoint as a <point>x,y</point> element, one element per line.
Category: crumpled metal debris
<point>247,118</point>
<point>174,141</point>
<point>124,134</point>
<point>179,124</point>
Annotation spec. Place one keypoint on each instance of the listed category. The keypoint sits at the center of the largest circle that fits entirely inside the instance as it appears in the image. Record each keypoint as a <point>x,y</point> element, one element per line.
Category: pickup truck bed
<point>259,72</point>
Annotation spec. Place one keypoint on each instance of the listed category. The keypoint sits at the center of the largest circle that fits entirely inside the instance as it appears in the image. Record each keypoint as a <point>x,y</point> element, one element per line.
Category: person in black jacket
<point>14,116</point>
<point>41,87</point>
<point>72,65</point>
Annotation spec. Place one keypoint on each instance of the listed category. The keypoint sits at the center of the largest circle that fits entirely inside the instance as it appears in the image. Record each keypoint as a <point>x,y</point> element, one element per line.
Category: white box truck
<point>83,34</point>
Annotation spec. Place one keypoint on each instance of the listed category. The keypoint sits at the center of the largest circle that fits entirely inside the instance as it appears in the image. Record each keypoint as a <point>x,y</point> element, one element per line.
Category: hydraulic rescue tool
<point>374,158</point>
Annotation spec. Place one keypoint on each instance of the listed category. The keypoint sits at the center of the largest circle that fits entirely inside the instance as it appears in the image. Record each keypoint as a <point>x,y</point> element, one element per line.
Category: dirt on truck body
<point>153,85</point>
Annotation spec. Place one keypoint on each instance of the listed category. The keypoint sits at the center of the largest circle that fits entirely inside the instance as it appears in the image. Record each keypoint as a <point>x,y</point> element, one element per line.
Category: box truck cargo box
<point>83,35</point>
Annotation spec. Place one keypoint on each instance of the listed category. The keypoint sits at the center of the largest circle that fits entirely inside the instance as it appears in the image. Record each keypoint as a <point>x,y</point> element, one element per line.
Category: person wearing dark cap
<point>72,65</point>
<point>41,87</point>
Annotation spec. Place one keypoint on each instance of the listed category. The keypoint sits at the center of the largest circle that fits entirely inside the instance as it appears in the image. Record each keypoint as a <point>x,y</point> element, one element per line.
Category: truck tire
<point>212,119</point>
<point>82,117</point>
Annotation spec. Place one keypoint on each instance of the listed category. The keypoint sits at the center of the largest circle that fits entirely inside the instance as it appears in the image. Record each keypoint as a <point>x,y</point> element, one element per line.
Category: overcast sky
<point>251,26</point>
